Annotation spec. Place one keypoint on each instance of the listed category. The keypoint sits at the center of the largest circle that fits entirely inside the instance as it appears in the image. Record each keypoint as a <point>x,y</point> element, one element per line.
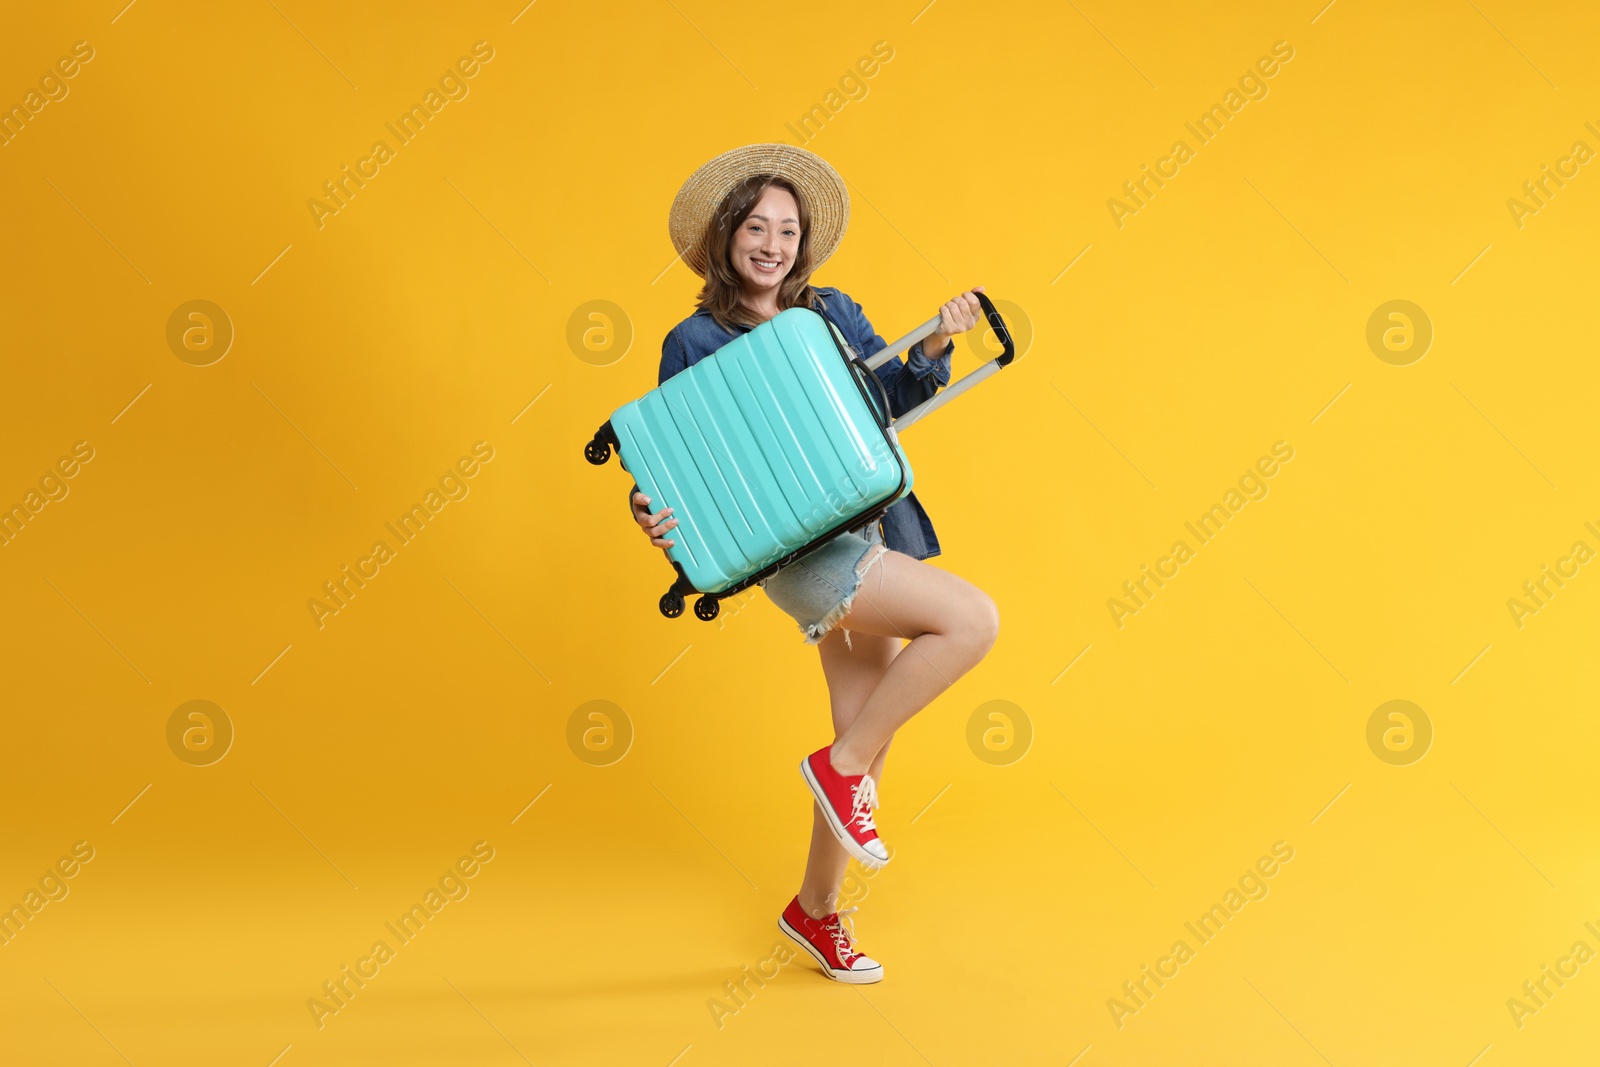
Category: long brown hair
<point>721,293</point>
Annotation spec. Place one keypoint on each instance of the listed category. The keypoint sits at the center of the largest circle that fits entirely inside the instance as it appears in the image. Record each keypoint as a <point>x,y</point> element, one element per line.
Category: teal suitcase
<point>767,449</point>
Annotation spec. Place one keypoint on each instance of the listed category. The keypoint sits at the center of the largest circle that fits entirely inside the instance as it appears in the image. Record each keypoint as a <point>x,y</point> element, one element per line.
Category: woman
<point>754,223</point>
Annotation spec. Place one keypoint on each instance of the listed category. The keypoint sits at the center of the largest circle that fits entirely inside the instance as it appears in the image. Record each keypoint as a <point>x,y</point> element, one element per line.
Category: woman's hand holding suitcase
<point>654,525</point>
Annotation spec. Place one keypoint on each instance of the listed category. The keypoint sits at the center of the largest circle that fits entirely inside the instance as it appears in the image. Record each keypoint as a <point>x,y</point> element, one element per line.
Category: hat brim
<point>826,196</point>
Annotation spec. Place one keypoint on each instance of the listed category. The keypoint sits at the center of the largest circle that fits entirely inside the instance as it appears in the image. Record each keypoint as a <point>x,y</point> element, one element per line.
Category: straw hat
<point>819,184</point>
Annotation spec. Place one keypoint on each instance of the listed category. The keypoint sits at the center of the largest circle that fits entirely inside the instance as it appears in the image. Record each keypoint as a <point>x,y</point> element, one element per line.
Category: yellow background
<point>371,753</point>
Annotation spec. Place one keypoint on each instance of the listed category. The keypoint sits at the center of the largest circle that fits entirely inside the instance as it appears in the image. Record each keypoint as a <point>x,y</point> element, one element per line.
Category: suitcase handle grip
<point>1002,334</point>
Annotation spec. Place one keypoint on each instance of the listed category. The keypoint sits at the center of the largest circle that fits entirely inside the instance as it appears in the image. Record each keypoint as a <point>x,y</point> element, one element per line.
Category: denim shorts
<point>818,589</point>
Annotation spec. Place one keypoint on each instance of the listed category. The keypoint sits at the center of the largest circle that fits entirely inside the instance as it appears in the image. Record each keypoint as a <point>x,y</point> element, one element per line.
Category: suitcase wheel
<point>706,608</point>
<point>597,451</point>
<point>672,603</point>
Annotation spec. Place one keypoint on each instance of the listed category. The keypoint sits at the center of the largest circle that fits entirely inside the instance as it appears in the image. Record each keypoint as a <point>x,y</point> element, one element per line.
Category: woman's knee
<point>981,621</point>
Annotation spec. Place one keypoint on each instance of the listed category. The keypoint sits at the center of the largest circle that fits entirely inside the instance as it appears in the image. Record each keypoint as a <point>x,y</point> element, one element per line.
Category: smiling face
<point>764,247</point>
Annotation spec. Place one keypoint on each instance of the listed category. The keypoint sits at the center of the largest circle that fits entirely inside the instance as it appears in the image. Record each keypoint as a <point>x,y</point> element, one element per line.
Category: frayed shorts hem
<point>818,590</point>
<point>815,633</point>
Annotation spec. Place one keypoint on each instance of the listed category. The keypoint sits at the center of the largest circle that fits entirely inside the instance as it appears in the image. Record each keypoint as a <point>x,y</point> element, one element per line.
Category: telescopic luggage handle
<point>955,389</point>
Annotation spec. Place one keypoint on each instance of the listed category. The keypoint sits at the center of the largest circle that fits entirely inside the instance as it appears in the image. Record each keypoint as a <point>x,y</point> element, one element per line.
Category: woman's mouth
<point>767,266</point>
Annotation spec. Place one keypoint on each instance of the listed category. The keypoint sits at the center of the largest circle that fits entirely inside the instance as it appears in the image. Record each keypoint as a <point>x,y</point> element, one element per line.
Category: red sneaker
<point>828,941</point>
<point>847,801</point>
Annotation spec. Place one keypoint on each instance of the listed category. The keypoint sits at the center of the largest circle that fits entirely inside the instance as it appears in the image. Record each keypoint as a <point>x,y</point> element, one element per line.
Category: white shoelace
<point>864,797</point>
<point>842,939</point>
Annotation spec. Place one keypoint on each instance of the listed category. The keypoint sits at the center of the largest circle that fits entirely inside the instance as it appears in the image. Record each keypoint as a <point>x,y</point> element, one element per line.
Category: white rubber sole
<point>866,977</point>
<point>861,855</point>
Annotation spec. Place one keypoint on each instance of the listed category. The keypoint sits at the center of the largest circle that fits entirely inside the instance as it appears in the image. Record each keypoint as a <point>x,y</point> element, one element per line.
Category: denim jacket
<point>908,381</point>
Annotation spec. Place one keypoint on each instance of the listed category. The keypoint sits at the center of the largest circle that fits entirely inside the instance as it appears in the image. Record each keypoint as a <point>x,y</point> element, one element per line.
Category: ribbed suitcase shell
<point>762,448</point>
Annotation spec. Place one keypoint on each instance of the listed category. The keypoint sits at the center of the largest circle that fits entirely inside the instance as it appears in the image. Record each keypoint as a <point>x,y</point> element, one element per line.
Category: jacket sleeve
<point>674,357</point>
<point>909,379</point>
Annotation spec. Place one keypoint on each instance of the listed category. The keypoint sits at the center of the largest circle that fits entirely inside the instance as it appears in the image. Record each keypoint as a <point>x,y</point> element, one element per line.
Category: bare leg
<point>951,625</point>
<point>853,673</point>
